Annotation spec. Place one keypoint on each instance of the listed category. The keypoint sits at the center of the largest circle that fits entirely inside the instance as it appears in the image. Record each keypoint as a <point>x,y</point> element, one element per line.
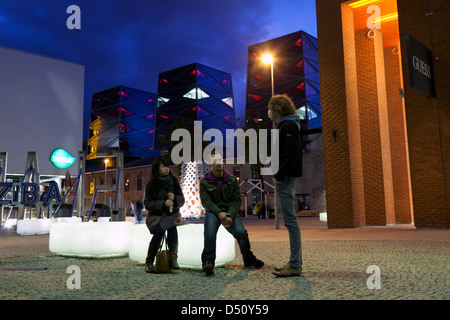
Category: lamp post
<point>268,58</point>
<point>106,169</point>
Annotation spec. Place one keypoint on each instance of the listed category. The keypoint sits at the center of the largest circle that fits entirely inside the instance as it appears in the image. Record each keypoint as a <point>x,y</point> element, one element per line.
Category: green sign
<point>62,159</point>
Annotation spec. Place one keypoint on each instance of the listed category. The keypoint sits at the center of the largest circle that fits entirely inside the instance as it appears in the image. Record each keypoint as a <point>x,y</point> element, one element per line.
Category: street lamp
<point>106,169</point>
<point>268,58</point>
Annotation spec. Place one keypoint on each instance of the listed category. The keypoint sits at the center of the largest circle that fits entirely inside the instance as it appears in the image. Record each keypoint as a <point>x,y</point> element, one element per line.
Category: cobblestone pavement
<point>412,264</point>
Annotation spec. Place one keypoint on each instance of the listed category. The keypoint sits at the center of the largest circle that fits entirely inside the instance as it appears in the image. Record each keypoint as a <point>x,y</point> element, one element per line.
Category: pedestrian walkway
<point>372,263</point>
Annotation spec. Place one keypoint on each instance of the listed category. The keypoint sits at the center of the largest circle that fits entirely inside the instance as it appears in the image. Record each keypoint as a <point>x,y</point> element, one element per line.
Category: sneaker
<point>208,269</point>
<point>287,271</point>
<point>281,268</point>
<point>257,264</point>
<point>149,268</point>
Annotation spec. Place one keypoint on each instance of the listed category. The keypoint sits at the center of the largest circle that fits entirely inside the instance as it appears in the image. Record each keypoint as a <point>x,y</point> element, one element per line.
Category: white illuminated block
<point>131,219</point>
<point>90,240</point>
<point>323,216</point>
<point>29,227</point>
<point>190,245</point>
<point>67,219</point>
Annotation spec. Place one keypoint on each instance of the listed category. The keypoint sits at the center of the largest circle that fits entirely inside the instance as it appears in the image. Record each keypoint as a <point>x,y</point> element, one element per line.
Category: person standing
<point>221,197</point>
<point>163,200</point>
<point>282,111</point>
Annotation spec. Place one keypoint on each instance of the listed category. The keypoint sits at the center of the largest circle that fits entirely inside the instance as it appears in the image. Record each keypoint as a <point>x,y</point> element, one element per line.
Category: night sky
<point>129,42</point>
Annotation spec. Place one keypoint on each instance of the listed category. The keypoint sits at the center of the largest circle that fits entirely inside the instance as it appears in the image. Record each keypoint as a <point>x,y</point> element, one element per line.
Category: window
<point>302,112</point>
<point>228,101</point>
<point>139,183</point>
<point>162,100</point>
<point>256,196</point>
<point>92,186</point>
<point>303,202</point>
<point>196,93</point>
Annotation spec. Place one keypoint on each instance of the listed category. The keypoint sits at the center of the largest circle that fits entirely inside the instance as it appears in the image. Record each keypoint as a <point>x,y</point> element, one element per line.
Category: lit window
<point>162,100</point>
<point>302,112</point>
<point>311,114</point>
<point>196,93</point>
<point>228,101</point>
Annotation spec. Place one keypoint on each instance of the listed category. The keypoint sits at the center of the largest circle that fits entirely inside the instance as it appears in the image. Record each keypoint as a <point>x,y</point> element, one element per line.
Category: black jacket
<point>290,148</point>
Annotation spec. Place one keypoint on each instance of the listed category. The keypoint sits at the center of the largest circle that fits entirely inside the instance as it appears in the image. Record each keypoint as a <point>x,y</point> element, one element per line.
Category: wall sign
<point>62,159</point>
<point>420,65</point>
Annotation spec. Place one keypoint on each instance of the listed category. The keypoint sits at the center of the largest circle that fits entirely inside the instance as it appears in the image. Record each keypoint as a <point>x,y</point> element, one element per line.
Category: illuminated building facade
<point>295,72</point>
<point>194,92</point>
<point>385,97</point>
<point>122,118</point>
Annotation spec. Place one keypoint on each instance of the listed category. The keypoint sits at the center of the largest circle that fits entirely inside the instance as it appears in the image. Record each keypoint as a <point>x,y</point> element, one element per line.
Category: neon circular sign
<point>62,159</point>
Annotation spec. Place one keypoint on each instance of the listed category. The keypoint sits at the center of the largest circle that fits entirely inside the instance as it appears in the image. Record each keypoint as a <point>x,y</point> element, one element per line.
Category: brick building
<point>386,141</point>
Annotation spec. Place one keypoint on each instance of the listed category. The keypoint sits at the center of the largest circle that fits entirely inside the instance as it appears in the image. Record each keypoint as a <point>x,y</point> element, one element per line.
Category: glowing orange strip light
<point>386,18</point>
<point>361,3</point>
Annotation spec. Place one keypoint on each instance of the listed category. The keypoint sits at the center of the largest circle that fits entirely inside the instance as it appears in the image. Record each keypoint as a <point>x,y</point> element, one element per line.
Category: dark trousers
<point>212,224</point>
<point>172,237</point>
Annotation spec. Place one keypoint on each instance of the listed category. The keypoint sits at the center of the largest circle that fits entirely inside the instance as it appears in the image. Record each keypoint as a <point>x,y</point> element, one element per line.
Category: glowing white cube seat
<point>131,219</point>
<point>31,227</point>
<point>190,245</point>
<point>90,239</point>
<point>67,219</point>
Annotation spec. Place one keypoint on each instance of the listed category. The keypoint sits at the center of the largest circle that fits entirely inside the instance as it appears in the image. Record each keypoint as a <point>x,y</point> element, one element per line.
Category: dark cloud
<point>129,42</point>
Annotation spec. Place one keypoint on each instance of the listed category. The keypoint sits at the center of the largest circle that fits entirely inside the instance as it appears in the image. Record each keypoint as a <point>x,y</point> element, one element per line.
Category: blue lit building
<point>122,118</point>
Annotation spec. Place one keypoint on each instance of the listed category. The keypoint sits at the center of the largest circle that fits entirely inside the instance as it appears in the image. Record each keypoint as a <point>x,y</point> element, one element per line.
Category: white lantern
<point>190,245</point>
<point>191,174</point>
<point>90,240</point>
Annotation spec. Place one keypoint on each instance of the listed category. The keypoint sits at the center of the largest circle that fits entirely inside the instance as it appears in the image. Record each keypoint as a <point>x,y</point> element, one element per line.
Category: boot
<point>151,254</point>
<point>173,255</point>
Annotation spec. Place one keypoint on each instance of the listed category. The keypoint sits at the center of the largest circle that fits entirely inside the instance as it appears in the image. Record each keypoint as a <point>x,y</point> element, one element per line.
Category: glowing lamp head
<point>267,58</point>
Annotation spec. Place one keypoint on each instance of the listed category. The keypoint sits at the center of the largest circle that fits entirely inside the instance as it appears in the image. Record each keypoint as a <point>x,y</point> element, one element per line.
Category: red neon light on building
<point>256,97</point>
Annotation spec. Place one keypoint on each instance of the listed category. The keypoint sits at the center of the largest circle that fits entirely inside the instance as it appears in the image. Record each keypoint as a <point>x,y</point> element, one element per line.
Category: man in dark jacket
<point>282,111</point>
<point>221,197</point>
